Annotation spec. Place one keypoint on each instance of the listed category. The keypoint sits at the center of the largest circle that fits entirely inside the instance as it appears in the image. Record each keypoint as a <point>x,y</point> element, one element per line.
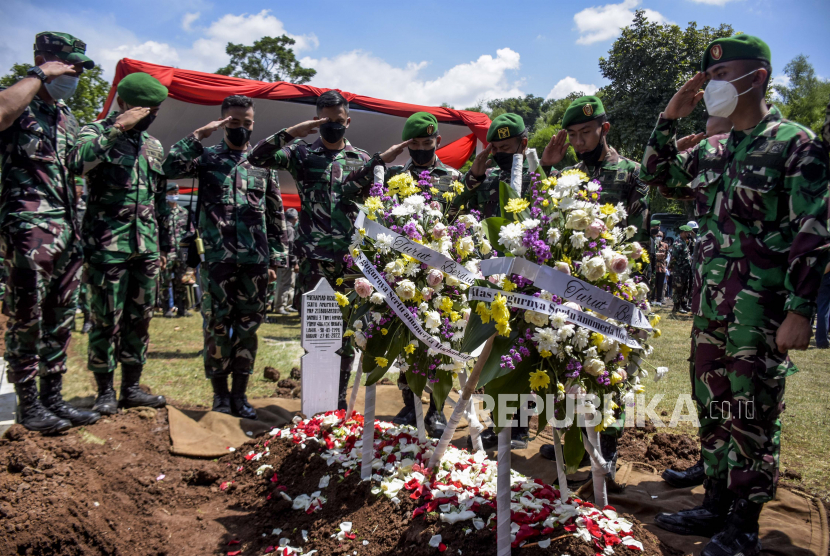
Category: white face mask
<point>721,97</point>
<point>63,86</point>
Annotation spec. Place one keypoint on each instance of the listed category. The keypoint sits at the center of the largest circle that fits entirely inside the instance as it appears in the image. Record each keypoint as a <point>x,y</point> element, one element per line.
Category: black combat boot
<point>221,395</point>
<point>703,521</point>
<point>183,312</point>
<point>740,537</point>
<point>131,394</point>
<point>31,413</point>
<point>105,403</point>
<point>50,397</point>
<point>519,438</point>
<point>406,416</point>
<point>434,421</point>
<point>693,476</point>
<point>239,401</point>
<point>489,439</point>
<point>608,448</point>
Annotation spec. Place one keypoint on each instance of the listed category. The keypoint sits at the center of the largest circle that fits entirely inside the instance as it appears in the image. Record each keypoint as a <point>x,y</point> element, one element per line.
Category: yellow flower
<point>454,316</point>
<point>342,300</point>
<point>545,353</point>
<point>594,196</point>
<point>654,320</point>
<point>384,331</point>
<point>457,186</point>
<point>613,277</point>
<point>607,209</point>
<point>499,308</point>
<point>484,312</point>
<point>381,362</point>
<point>606,236</point>
<point>560,387</point>
<point>657,333</point>
<point>547,183</point>
<point>503,328</point>
<point>355,253</point>
<point>578,173</point>
<point>597,339</point>
<point>516,205</point>
<point>373,204</point>
<point>539,380</point>
<point>644,257</point>
<point>625,350</point>
<point>362,232</point>
<point>448,196</point>
<point>348,333</point>
<point>615,378</point>
<point>409,348</point>
<point>403,185</point>
<point>545,203</point>
<point>434,190</point>
<point>508,286</point>
<point>446,304</point>
<point>339,281</point>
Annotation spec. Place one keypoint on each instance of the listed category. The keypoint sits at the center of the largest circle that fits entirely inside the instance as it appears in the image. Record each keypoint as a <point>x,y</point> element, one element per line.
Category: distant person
<point>287,276</point>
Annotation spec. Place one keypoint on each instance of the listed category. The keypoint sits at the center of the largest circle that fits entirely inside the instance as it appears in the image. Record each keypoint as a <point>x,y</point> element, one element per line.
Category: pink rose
<point>439,230</point>
<point>619,264</point>
<point>623,374</point>
<point>434,277</point>
<point>562,266</point>
<point>595,229</point>
<point>363,287</point>
<point>435,205</point>
<point>636,250</point>
<point>426,293</point>
<point>573,305</point>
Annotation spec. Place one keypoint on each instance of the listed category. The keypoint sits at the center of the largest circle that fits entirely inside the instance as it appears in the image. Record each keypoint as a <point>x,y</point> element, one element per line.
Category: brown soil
<point>662,450</point>
<point>100,491</point>
<point>272,374</point>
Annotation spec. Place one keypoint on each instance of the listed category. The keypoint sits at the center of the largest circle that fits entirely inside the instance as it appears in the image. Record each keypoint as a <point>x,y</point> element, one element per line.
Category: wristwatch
<point>37,72</point>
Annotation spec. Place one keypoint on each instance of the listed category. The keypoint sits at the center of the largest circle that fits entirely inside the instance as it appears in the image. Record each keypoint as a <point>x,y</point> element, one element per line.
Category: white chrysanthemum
<point>592,186</point>
<point>554,235</point>
<point>558,319</point>
<point>395,268</point>
<point>406,289</point>
<point>402,210</point>
<point>472,266</point>
<point>530,224</point>
<point>566,332</point>
<point>547,339</point>
<point>383,243</point>
<point>416,202</point>
<point>578,240</point>
<point>377,298</point>
<point>621,213</point>
<point>412,269</point>
<point>581,338</point>
<point>569,181</point>
<point>630,232</point>
<point>433,320</point>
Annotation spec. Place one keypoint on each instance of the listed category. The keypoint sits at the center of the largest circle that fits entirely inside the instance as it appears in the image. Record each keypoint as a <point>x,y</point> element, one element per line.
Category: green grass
<point>175,370</point>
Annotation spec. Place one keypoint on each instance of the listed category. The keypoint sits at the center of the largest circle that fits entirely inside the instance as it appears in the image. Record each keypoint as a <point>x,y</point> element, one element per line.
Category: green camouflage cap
<point>738,47</point>
<point>655,222</point>
<point>505,127</point>
<point>142,89</point>
<point>64,46</point>
<point>420,124</point>
<point>685,228</point>
<point>583,109</point>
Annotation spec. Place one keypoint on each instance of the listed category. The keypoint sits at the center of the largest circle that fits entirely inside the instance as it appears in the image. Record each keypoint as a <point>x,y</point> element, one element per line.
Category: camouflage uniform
<point>83,297</point>
<point>482,193</point>
<point>125,229</point>
<point>286,279</point>
<point>443,177</point>
<point>176,263</point>
<point>762,209</point>
<point>328,182</point>
<point>681,273</point>
<point>241,223</point>
<point>39,240</point>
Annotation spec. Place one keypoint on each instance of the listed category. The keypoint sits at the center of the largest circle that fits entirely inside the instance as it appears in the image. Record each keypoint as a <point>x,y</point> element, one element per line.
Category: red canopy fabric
<point>211,89</point>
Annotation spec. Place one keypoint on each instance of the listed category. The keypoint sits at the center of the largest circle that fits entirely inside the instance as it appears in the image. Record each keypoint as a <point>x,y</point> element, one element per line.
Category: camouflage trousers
<point>172,277</point>
<point>286,280</point>
<point>121,298</point>
<point>739,388</point>
<point>311,272</point>
<point>233,309</point>
<point>43,274</point>
<point>681,290</point>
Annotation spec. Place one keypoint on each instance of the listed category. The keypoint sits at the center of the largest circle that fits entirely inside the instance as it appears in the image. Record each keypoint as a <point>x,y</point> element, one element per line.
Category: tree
<point>88,99</point>
<point>805,97</point>
<point>529,108</point>
<point>269,59</point>
<point>646,65</point>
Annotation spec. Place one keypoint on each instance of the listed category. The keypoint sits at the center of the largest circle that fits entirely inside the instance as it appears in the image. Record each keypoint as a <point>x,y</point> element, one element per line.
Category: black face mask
<point>421,157</point>
<point>504,161</point>
<point>591,158</point>
<point>144,122</point>
<point>238,136</point>
<point>332,132</point>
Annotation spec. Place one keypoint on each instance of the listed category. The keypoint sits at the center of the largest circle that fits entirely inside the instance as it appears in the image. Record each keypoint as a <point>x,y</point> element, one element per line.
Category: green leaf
<point>573,449</point>
<point>491,227</point>
<point>395,347</point>
<point>514,382</point>
<point>416,382</point>
<point>441,389</point>
<point>378,344</point>
<point>492,367</point>
<point>477,332</point>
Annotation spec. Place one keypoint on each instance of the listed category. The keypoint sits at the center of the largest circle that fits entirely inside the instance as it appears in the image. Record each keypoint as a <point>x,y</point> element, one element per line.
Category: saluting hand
<point>479,166</point>
<point>556,149</point>
<point>207,131</point>
<point>394,151</point>
<point>132,116</point>
<point>686,143</point>
<point>306,128</point>
<point>685,100</point>
<point>55,68</point>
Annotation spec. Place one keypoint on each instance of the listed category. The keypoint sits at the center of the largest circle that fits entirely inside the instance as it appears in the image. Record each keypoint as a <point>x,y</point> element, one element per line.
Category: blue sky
<point>425,52</point>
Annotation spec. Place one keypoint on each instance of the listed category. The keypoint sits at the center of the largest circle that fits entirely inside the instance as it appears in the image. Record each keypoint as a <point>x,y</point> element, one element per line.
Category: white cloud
<point>712,2</point>
<point>601,23</point>
<point>461,86</point>
<point>189,19</point>
<point>568,85</point>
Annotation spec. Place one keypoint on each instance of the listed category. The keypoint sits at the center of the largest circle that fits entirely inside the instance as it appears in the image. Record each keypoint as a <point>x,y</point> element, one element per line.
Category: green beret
<point>505,127</point>
<point>583,109</point>
<point>420,124</point>
<point>64,46</point>
<point>738,47</point>
<point>685,228</point>
<point>141,89</point>
<point>655,222</point>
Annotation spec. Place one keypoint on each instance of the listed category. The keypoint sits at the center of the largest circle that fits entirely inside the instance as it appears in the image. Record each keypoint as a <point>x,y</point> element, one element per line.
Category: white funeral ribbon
<point>616,333</point>
<point>404,245</point>
<point>568,287</point>
<point>503,494</point>
<point>476,428</point>
<point>410,321</point>
<point>564,492</point>
<point>368,450</point>
<point>355,387</point>
<point>419,417</point>
<point>516,173</point>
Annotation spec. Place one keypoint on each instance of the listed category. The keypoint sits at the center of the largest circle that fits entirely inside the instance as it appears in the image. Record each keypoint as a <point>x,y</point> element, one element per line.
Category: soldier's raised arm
<point>183,159</point>
<point>15,99</point>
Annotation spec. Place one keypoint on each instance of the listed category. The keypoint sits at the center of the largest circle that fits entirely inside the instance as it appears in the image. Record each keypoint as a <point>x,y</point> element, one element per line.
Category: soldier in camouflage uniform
<point>585,126</point>
<point>506,136</point>
<point>39,240</point>
<point>681,271</point>
<point>331,175</point>
<point>125,237</point>
<point>286,277</point>
<point>173,291</point>
<point>765,240</point>
<point>421,131</point>
<point>242,223</point>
